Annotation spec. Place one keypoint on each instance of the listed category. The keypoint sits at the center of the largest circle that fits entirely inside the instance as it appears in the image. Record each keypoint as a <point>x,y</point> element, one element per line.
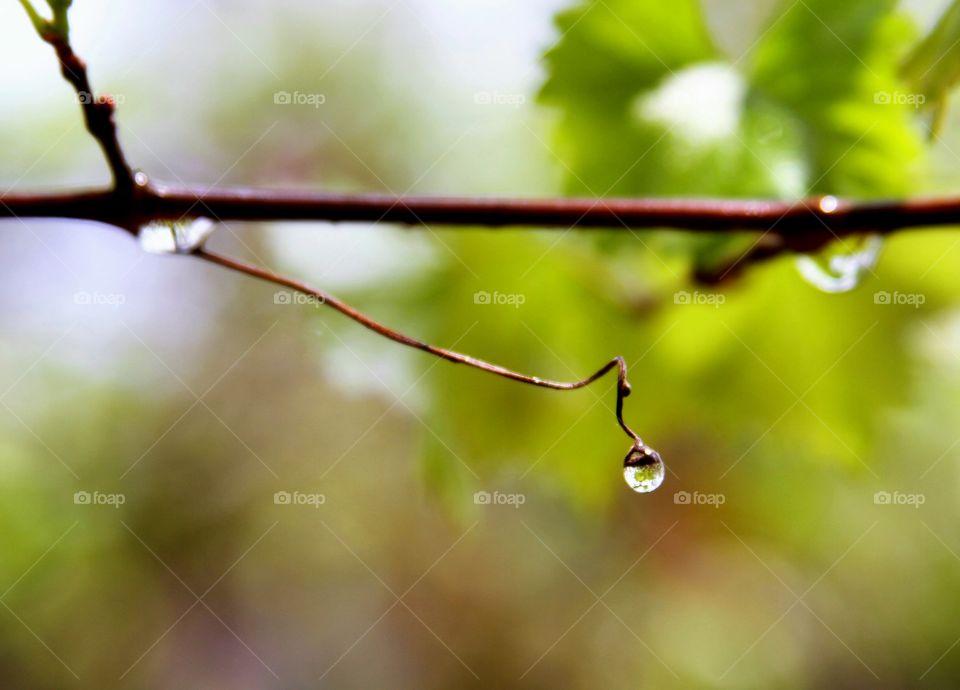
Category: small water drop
<point>175,237</point>
<point>643,469</point>
<point>829,204</point>
<point>841,272</point>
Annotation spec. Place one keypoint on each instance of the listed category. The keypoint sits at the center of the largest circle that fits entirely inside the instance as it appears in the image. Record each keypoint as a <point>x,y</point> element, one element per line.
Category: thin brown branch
<point>260,273</point>
<point>798,226</point>
<point>133,201</point>
<point>98,111</point>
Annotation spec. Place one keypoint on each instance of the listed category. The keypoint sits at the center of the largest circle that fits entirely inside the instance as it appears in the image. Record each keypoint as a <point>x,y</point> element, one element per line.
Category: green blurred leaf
<point>833,68</point>
<point>933,66</point>
<point>649,106</point>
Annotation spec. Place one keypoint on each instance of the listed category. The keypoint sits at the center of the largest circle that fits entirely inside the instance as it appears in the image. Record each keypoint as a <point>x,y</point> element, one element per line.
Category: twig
<point>133,201</point>
<point>98,111</point>
<point>797,226</point>
<point>623,386</point>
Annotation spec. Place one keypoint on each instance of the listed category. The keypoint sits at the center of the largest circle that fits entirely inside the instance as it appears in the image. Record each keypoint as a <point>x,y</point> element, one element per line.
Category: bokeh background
<point>806,535</point>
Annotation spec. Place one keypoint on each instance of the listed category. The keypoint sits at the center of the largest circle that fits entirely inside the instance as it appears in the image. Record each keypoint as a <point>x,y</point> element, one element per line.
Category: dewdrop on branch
<point>643,469</point>
<point>175,237</point>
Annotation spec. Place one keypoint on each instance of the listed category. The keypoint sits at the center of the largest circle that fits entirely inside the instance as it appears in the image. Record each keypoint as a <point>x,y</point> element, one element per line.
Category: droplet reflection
<point>643,469</point>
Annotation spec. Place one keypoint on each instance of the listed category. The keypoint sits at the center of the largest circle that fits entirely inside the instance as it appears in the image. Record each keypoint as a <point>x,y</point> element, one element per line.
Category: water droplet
<point>175,237</point>
<point>829,204</point>
<point>841,271</point>
<point>643,469</point>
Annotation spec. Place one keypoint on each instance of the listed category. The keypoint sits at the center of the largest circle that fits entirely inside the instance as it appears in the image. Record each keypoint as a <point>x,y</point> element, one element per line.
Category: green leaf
<point>615,76</point>
<point>812,116</point>
<point>649,106</point>
<point>610,54</point>
<point>833,67</point>
<point>610,50</point>
<point>933,66</point>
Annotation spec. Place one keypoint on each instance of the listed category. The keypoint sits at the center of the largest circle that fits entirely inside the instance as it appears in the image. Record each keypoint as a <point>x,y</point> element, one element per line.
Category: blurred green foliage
<point>932,69</point>
<point>795,406</point>
<point>809,103</point>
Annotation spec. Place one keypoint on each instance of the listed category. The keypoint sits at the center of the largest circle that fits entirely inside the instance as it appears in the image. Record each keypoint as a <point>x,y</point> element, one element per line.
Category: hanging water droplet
<point>175,237</point>
<point>643,469</point>
<point>841,272</point>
